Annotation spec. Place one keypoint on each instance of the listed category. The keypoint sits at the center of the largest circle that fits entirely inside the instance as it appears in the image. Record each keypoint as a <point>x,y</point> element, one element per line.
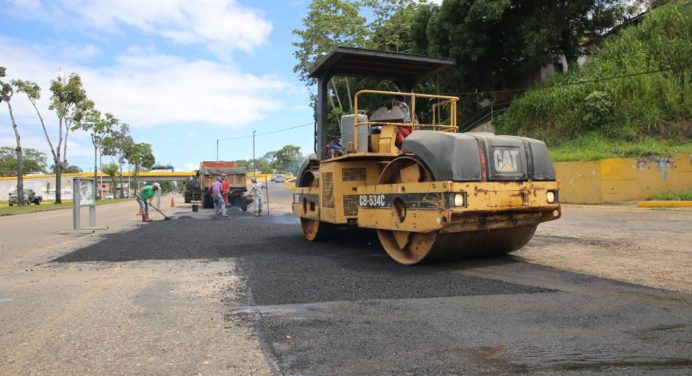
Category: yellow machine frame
<point>346,180</point>
<point>416,217</point>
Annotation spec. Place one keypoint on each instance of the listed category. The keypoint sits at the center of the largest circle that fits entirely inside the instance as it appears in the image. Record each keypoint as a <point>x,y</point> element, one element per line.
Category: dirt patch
<point>636,245</point>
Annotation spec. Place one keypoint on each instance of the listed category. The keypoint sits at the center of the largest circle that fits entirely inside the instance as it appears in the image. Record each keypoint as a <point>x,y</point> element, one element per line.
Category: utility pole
<point>254,170</point>
<point>100,176</point>
<point>217,149</point>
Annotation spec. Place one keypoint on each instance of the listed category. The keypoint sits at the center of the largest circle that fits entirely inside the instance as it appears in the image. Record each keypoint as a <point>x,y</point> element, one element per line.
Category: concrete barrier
<point>626,179</point>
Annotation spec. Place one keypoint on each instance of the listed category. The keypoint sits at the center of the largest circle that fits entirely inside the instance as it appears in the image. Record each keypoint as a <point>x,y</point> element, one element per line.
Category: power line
<point>265,133</point>
<point>285,129</point>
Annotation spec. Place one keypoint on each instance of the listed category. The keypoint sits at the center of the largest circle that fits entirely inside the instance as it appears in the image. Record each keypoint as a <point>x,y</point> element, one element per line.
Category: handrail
<point>448,100</point>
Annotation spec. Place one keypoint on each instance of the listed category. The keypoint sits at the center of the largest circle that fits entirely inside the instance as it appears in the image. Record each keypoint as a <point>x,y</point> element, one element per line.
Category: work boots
<point>145,218</point>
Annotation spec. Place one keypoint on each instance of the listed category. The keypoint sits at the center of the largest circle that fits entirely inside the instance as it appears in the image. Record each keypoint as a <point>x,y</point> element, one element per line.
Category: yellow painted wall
<point>624,179</point>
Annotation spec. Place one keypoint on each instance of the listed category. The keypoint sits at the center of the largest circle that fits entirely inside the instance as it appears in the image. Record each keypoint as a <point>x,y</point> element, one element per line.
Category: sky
<point>181,73</point>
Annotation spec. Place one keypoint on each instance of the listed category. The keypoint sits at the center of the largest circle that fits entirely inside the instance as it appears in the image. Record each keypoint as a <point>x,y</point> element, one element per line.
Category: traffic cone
<point>172,202</point>
<point>139,212</point>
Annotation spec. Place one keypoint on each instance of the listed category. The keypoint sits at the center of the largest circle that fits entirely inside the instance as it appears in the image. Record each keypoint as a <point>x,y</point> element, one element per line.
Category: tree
<point>69,101</point>
<point>140,156</point>
<point>391,29</point>
<point>262,164</point>
<point>329,24</point>
<point>288,159</point>
<point>68,168</point>
<point>33,160</point>
<point>111,169</point>
<point>6,92</point>
<point>167,186</point>
<point>498,44</point>
<point>115,144</point>
<point>100,127</point>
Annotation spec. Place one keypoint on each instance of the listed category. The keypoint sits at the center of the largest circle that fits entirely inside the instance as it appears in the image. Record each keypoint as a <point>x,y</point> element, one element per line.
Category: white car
<point>278,178</point>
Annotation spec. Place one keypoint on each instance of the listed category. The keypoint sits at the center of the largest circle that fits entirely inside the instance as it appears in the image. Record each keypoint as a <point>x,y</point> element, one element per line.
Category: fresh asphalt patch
<point>343,307</point>
<point>281,267</point>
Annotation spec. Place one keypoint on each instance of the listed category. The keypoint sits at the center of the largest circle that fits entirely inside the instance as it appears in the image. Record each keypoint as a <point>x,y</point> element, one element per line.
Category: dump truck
<point>404,169</point>
<point>198,187</point>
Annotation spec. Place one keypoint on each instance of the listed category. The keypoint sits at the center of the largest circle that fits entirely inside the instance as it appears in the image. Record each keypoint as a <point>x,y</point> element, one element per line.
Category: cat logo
<point>506,159</point>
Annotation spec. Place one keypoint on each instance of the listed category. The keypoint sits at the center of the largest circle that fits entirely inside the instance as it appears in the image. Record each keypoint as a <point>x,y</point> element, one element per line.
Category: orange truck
<point>208,171</point>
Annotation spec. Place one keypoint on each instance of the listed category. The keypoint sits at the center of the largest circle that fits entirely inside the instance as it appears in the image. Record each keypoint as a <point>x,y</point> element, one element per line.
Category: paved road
<point>293,307</point>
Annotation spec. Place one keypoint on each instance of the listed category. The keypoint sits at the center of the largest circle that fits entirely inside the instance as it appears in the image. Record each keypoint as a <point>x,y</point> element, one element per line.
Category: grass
<point>593,147</point>
<point>674,196</point>
<point>47,206</point>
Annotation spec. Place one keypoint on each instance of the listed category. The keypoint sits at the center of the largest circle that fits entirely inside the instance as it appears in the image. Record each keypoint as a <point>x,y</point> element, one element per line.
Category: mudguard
<point>457,156</point>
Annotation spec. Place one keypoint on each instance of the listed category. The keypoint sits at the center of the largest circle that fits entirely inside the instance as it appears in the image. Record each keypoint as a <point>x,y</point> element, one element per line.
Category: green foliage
<point>674,196</point>
<point>392,27</point>
<point>168,186</point>
<point>649,95</point>
<point>116,141</point>
<point>594,146</point>
<point>5,88</point>
<point>501,44</point>
<point>34,160</point>
<point>497,44</point>
<point>329,24</point>
<point>288,158</point>
<point>68,168</point>
<point>45,206</point>
<point>140,156</point>
<point>31,89</point>
<point>110,169</point>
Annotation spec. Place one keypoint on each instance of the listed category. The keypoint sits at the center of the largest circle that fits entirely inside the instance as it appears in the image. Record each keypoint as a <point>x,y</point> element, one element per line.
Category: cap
<point>157,185</point>
<point>218,178</point>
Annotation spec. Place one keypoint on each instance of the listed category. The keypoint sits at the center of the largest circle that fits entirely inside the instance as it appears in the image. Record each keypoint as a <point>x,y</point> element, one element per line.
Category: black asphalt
<point>344,307</point>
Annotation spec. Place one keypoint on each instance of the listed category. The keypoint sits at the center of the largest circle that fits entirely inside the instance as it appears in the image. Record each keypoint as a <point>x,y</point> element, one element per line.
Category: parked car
<point>109,196</point>
<point>30,197</point>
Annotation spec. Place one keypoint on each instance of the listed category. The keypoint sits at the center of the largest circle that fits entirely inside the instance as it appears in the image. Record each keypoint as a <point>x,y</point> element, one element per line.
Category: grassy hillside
<point>633,98</point>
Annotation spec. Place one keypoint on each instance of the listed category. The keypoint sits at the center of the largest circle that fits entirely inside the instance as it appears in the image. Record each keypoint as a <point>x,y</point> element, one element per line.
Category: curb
<point>665,204</point>
<point>290,184</point>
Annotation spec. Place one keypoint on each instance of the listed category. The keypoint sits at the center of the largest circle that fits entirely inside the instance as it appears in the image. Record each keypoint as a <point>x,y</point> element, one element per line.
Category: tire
<point>208,201</point>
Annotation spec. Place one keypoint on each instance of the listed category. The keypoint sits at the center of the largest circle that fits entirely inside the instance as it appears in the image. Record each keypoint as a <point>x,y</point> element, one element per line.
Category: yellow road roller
<point>405,170</point>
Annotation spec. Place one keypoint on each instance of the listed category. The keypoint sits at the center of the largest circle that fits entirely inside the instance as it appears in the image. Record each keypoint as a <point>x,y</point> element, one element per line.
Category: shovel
<point>165,217</point>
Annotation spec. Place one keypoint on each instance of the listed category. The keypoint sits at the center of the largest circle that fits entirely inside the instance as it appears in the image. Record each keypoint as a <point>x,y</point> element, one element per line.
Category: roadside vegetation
<point>633,98</point>
<point>497,45</point>
<point>66,204</point>
<point>674,196</point>
<point>594,146</point>
<point>75,111</point>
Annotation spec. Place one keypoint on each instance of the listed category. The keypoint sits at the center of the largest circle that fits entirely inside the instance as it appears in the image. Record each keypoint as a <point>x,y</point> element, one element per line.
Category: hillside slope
<point>634,97</point>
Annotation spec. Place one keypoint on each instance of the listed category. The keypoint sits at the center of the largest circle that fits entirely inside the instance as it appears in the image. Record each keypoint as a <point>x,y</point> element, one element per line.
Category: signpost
<point>83,194</point>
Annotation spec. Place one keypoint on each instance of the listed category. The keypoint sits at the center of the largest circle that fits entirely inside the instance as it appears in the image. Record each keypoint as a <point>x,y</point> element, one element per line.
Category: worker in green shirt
<point>146,195</point>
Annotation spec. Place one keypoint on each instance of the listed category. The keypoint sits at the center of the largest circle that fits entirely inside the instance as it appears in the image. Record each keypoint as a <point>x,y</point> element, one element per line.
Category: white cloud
<point>221,25</point>
<point>75,148</point>
<point>143,88</point>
